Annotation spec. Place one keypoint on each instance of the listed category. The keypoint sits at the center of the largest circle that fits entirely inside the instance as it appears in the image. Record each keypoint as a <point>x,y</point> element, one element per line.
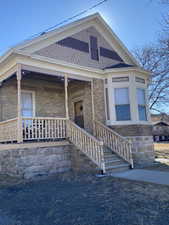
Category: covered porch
<point>36,104</point>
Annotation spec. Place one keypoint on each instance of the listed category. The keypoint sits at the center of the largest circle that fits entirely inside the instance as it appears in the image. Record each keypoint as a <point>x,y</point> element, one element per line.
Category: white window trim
<point>132,85</point>
<point>33,99</point>
<point>122,86</point>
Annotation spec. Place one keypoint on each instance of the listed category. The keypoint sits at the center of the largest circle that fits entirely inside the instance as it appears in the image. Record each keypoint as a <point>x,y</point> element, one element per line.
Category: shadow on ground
<point>70,199</point>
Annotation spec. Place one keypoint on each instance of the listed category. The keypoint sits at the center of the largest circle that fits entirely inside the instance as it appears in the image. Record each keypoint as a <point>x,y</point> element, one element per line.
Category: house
<point>160,127</point>
<point>71,96</point>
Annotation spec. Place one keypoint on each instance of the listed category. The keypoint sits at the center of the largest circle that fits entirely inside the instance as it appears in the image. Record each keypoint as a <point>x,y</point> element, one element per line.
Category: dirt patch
<point>161,150</point>
<point>70,199</point>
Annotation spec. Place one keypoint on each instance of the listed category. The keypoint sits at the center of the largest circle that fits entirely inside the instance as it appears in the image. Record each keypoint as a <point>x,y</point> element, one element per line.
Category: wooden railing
<point>8,130</point>
<point>114,141</point>
<point>41,128</point>
<point>88,144</point>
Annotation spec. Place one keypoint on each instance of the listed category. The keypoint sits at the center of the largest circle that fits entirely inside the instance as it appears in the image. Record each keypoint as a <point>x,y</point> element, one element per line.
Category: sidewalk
<point>156,177</point>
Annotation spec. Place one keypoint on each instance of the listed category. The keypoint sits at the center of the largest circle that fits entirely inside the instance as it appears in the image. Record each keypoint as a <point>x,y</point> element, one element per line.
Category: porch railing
<point>40,128</point>
<point>8,130</point>
<point>114,141</point>
<point>88,144</point>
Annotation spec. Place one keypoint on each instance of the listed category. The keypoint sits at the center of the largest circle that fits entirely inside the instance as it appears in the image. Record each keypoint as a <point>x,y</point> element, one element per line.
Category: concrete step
<point>117,168</point>
<point>110,156</point>
<point>113,162</point>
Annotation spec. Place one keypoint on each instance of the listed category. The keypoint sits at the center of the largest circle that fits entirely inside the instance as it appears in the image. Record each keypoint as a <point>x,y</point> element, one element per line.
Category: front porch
<point>39,107</point>
<point>35,105</point>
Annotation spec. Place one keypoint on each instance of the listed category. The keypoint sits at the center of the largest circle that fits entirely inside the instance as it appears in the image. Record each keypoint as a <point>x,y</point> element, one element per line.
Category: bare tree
<point>153,59</point>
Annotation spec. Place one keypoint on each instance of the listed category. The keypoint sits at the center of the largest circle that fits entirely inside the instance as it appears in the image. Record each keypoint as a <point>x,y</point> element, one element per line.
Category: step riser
<point>115,163</point>
<point>115,170</point>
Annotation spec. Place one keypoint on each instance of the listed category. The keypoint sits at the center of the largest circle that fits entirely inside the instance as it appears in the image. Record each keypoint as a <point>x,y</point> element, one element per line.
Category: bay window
<point>122,104</point>
<point>141,104</point>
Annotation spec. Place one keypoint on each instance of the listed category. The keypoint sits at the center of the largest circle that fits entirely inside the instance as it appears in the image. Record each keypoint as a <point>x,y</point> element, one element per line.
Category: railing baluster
<point>114,141</point>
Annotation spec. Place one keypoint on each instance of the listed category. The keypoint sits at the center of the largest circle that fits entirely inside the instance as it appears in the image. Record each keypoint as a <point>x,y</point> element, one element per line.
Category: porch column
<point>93,111</point>
<point>19,115</point>
<point>66,97</point>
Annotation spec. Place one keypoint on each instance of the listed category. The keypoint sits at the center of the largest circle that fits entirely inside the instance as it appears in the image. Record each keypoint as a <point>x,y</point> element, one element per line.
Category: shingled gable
<point>96,22</point>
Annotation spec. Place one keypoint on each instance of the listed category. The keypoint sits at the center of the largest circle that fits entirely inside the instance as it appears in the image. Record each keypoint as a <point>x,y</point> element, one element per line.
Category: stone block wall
<point>79,90</point>
<point>81,163</point>
<point>142,139</point>
<point>49,96</point>
<point>28,162</point>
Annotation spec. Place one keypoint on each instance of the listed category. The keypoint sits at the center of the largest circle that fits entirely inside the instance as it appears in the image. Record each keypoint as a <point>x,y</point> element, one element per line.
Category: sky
<point>136,22</point>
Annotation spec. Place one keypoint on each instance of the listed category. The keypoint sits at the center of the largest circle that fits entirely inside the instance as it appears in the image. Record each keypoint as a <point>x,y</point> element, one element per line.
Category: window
<point>140,80</point>
<point>94,48</point>
<point>141,104</point>
<point>120,79</point>
<point>27,104</point>
<point>122,104</point>
<point>107,103</point>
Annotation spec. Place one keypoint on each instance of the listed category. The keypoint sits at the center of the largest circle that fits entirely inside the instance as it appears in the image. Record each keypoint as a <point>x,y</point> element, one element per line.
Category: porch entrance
<point>78,113</point>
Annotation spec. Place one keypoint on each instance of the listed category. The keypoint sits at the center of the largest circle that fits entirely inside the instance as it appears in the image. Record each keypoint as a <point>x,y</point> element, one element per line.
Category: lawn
<point>161,157</point>
<point>161,150</point>
<point>70,199</point>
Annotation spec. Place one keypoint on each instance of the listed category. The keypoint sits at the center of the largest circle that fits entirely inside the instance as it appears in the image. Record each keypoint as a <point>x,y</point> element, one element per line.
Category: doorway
<point>79,113</point>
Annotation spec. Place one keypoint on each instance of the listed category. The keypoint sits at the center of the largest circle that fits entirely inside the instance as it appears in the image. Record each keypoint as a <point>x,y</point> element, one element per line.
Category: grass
<point>70,199</point>
<point>161,156</point>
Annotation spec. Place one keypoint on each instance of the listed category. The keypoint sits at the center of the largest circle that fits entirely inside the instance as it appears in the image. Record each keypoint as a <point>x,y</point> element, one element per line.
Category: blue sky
<point>136,22</point>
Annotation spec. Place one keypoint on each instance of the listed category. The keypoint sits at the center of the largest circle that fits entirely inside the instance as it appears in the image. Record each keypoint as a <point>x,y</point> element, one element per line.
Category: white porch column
<point>93,110</point>
<point>66,97</point>
<point>19,115</point>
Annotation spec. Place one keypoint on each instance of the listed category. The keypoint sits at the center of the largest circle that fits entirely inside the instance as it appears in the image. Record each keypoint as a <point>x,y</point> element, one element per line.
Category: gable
<point>77,49</point>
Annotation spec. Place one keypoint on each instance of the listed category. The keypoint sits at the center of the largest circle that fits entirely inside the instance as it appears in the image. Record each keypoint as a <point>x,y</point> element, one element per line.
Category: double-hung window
<point>122,104</point>
<point>141,104</point>
<point>27,104</point>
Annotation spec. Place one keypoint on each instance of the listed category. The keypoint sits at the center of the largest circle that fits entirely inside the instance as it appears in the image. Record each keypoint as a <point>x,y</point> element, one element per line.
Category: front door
<point>79,117</point>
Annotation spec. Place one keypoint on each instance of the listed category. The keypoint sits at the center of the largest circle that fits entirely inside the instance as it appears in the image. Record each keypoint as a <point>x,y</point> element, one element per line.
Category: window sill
<point>111,122</point>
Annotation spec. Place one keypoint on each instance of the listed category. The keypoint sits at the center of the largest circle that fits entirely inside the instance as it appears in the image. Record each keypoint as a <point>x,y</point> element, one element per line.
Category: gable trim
<point>94,20</point>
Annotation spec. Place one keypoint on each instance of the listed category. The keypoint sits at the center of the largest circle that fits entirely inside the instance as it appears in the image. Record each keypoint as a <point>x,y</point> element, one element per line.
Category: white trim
<point>132,85</point>
<point>93,20</point>
<point>33,99</point>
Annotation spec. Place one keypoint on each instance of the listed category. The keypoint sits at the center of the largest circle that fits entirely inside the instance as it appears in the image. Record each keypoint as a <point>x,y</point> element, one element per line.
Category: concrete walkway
<point>156,177</point>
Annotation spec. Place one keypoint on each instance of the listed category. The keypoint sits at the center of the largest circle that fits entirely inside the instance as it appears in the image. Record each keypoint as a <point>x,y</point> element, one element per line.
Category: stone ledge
<point>33,145</point>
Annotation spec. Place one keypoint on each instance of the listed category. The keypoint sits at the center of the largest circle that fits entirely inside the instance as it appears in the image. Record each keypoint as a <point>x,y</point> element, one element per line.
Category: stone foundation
<point>81,163</point>
<point>142,150</point>
<point>27,162</point>
<point>142,139</point>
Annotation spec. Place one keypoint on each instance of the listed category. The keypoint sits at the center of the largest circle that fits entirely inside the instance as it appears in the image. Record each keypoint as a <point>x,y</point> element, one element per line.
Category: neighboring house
<point>83,73</point>
<point>160,127</point>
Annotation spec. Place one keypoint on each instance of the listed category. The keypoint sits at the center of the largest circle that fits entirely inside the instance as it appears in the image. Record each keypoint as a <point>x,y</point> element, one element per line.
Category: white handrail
<point>8,130</point>
<point>114,141</point>
<point>88,144</point>
<point>43,128</point>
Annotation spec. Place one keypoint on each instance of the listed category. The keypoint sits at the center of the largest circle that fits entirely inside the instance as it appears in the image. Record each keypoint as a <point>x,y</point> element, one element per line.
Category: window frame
<point>143,105</point>
<point>33,101</point>
<point>90,48</point>
<point>129,104</point>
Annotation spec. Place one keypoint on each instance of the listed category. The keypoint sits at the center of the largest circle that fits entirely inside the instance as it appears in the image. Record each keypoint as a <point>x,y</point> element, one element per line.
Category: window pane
<point>142,112</point>
<point>94,48</point>
<point>26,100</point>
<point>141,96</point>
<point>27,113</point>
<point>121,96</point>
<point>122,112</point>
<point>27,104</point>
